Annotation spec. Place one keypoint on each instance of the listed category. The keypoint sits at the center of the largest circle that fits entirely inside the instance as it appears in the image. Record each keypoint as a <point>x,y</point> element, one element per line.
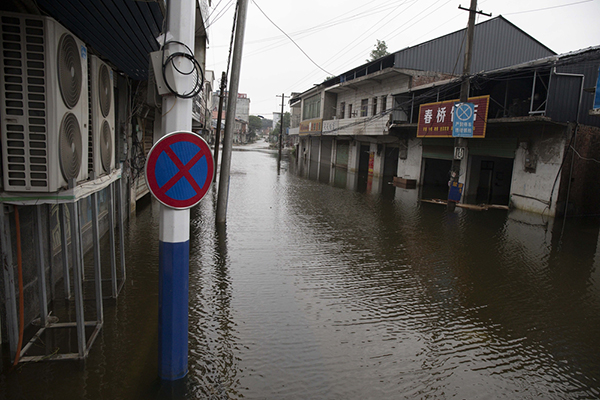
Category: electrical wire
<point>196,70</point>
<point>582,157</point>
<point>548,8</point>
<point>281,40</point>
<point>221,13</point>
<point>292,40</point>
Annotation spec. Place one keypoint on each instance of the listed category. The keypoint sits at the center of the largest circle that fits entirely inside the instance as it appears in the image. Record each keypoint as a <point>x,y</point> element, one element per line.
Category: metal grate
<point>23,94</point>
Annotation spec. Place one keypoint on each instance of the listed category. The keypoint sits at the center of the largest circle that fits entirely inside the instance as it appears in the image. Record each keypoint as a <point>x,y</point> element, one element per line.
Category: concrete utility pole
<point>230,117</point>
<point>219,118</point>
<point>174,224</point>
<point>464,90</point>
<point>283,97</point>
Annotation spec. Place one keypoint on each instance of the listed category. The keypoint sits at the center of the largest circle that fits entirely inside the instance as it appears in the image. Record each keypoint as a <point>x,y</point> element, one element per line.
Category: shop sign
<point>436,120</point>
<point>311,127</point>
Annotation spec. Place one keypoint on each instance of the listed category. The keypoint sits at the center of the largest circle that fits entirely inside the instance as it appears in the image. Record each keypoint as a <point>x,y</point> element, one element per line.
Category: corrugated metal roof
<point>497,43</point>
<point>121,31</point>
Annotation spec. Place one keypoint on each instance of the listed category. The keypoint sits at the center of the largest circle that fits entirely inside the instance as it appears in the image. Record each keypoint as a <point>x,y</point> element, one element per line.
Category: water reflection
<point>313,290</point>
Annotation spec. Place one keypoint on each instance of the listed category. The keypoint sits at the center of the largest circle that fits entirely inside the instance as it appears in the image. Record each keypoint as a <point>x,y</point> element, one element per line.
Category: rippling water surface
<point>316,292</point>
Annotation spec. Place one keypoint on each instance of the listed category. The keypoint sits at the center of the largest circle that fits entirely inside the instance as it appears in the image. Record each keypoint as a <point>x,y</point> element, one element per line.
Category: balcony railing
<point>356,126</point>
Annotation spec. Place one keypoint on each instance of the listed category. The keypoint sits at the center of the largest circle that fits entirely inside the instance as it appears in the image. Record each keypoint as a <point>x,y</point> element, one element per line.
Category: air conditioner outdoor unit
<point>44,103</point>
<point>102,127</point>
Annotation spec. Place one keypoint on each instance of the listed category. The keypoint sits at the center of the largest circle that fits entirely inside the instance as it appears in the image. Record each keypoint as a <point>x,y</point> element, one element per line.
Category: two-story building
<point>360,129</point>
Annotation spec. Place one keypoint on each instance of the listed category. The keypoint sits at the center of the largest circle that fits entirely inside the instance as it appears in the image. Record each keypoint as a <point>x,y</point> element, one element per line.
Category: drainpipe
<point>574,141</point>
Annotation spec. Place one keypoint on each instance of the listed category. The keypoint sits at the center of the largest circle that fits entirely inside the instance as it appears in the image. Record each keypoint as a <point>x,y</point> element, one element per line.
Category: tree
<point>254,125</point>
<point>286,124</point>
<point>379,51</point>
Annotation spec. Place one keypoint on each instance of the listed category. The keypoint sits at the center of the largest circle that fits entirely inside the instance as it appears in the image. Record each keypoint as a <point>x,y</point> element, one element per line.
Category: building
<point>365,121</point>
<point>74,142</point>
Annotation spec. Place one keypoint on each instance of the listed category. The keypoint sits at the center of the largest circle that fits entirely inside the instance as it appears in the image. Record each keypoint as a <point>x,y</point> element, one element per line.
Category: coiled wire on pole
<point>195,71</point>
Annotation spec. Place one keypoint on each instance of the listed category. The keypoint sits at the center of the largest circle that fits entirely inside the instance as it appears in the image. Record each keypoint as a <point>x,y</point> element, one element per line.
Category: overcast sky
<point>338,35</point>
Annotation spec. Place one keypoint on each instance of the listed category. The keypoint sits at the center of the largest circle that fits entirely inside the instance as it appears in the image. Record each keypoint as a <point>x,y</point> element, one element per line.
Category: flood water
<point>317,292</point>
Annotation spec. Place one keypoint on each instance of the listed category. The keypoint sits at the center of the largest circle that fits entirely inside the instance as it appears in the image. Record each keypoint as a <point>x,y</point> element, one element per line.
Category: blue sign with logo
<point>463,117</point>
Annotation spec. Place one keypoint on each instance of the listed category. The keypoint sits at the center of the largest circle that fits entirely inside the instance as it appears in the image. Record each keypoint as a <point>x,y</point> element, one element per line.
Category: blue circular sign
<point>179,169</point>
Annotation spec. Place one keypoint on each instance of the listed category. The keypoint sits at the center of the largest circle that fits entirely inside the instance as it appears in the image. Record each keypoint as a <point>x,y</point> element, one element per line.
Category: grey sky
<point>339,35</point>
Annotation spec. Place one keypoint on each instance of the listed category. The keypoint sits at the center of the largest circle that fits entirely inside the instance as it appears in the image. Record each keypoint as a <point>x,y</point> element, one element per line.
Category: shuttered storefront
<point>342,153</point>
<point>441,149</point>
<point>504,148</point>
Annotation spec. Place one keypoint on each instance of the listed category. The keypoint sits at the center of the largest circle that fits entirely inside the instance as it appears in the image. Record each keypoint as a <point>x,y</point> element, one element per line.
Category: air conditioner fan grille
<point>69,70</point>
<point>106,146</point>
<point>70,146</point>
<point>104,90</point>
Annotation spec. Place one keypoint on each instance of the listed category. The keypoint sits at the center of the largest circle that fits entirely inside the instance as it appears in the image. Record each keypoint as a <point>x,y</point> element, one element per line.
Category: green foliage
<point>254,124</point>
<point>379,51</point>
<point>286,123</point>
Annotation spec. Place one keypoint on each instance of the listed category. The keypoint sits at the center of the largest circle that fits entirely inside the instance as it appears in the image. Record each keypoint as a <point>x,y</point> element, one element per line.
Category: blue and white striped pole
<point>174,250</point>
<point>174,228</point>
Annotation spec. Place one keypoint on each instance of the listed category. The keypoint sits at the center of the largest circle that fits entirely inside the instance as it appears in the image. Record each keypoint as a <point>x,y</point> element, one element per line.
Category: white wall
<point>385,88</point>
<point>411,167</point>
<point>353,153</point>
<point>549,152</point>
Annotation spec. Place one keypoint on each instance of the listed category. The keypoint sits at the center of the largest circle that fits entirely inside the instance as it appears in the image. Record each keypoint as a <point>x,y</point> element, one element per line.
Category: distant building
<point>242,106</point>
<point>276,118</point>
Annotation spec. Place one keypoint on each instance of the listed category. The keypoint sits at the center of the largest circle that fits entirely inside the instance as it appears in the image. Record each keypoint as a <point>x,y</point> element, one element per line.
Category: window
<point>350,111</point>
<point>364,107</point>
<point>312,107</point>
<point>383,103</point>
<point>374,105</point>
<point>342,109</point>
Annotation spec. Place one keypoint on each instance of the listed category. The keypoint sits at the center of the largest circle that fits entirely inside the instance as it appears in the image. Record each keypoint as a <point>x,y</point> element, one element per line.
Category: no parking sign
<point>179,169</point>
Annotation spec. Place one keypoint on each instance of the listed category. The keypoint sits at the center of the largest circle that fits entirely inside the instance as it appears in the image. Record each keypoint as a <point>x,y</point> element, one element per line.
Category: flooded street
<point>317,292</point>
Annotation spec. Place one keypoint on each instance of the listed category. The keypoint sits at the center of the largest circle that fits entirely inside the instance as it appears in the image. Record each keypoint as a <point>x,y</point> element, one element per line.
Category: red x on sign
<point>179,169</point>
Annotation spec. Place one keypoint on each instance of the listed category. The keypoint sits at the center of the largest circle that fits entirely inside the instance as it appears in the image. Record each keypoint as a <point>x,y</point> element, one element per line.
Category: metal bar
<point>70,324</point>
<point>532,91</point>
<point>55,357</point>
<point>504,111</point>
<point>77,276</point>
<point>31,342</point>
<point>121,233</point>
<point>62,216</point>
<point>10,296</point>
<point>412,107</point>
<point>93,337</point>
<point>41,267</point>
<point>111,230</point>
<point>97,260</point>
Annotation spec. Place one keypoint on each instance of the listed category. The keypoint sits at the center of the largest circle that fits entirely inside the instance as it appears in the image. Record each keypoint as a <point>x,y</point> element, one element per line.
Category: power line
<point>220,14</point>
<point>292,40</point>
<point>548,8</point>
<point>381,26</point>
<point>325,25</point>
